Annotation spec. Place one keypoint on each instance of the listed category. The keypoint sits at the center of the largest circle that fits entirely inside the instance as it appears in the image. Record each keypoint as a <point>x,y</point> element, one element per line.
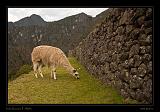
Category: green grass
<point>26,89</point>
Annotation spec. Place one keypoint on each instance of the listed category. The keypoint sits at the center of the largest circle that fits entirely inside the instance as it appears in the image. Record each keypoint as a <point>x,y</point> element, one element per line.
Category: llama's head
<point>75,74</point>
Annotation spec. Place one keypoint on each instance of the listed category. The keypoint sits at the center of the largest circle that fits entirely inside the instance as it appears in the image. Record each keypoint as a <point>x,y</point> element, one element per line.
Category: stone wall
<point>119,52</point>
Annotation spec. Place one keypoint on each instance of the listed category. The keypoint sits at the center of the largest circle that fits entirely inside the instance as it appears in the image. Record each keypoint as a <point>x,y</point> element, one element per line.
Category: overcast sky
<point>50,14</point>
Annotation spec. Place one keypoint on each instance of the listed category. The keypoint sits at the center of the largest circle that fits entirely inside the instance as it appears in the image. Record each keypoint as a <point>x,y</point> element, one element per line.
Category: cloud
<point>50,14</point>
<point>15,14</point>
<point>12,17</point>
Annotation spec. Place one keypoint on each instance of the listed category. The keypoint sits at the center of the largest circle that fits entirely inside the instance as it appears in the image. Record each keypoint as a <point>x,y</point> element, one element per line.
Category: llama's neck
<point>68,66</point>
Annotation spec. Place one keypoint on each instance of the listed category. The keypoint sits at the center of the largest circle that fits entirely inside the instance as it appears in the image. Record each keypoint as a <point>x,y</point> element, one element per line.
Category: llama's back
<point>48,55</point>
<point>39,52</point>
<point>56,56</point>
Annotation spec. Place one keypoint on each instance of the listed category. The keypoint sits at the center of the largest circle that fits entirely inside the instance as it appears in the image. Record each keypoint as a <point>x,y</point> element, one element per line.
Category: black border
<point>156,58</point>
<point>75,107</point>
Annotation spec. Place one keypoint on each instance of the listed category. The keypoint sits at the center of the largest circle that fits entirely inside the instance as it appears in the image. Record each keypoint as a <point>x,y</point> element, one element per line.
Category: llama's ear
<point>74,70</point>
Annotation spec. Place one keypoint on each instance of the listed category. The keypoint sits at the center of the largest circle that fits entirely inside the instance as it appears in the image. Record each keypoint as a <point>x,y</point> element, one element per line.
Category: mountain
<point>32,20</point>
<point>102,16</point>
<point>10,24</point>
<point>32,31</point>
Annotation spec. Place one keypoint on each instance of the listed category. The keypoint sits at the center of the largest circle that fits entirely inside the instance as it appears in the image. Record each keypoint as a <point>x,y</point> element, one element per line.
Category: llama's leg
<point>35,67</point>
<point>40,70</point>
<point>53,73</point>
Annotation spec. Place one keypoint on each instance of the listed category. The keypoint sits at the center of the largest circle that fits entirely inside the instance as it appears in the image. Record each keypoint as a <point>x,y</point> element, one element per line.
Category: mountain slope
<point>65,34</point>
<point>26,89</point>
<point>29,32</point>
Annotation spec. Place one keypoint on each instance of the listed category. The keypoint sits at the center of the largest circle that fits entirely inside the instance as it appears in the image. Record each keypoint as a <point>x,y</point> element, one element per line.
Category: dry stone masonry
<point>119,52</point>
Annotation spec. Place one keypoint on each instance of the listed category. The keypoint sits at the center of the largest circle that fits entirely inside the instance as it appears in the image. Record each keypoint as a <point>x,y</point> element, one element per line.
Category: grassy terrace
<point>26,89</point>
